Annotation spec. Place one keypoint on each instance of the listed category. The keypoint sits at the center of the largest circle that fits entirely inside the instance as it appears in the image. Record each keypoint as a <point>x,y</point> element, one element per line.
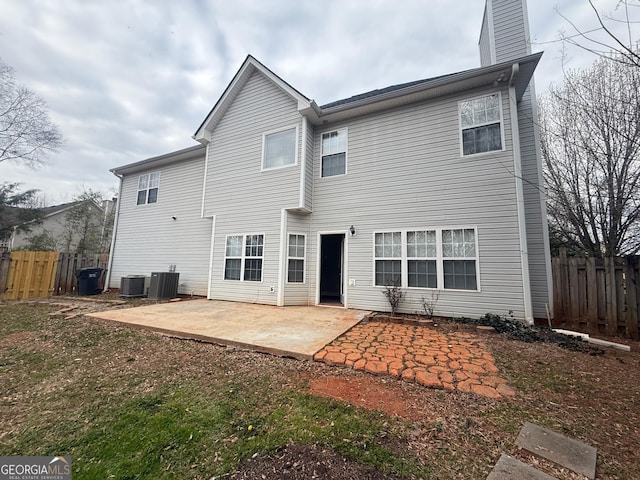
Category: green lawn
<point>127,404</point>
<point>130,404</point>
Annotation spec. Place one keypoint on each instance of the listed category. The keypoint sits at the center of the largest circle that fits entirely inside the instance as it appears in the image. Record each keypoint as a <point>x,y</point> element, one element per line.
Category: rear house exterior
<point>435,185</point>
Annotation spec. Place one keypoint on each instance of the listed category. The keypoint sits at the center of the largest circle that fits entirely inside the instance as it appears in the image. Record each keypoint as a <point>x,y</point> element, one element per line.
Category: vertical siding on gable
<point>149,240</point>
<point>245,199</point>
<point>405,171</point>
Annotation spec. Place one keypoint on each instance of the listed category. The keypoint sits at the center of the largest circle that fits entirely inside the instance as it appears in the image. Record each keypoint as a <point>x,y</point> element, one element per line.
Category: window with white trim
<point>459,259</point>
<point>243,257</point>
<point>295,260</point>
<point>422,257</point>
<point>279,148</point>
<point>481,124</point>
<point>334,153</point>
<point>148,188</point>
<point>388,258</point>
<point>433,258</point>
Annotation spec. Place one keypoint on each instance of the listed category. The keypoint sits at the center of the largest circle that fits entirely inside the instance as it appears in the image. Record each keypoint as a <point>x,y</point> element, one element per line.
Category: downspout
<point>113,235</point>
<point>213,237</point>
<point>517,173</point>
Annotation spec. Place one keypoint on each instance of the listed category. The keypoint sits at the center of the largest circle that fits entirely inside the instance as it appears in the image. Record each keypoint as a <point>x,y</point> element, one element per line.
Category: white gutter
<point>113,235</point>
<point>517,173</point>
<point>213,236</point>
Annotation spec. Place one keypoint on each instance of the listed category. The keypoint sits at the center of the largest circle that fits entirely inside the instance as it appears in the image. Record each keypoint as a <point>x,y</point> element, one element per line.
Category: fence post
<point>612,305</point>
<point>631,284</point>
<point>592,295</point>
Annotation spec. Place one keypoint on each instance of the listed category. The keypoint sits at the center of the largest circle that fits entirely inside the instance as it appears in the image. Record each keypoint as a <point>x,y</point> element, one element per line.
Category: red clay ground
<point>453,360</point>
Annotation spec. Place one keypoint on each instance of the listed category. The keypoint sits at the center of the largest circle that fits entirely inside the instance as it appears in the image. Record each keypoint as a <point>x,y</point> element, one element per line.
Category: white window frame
<point>264,147</point>
<point>243,257</point>
<point>403,253</point>
<point>426,258</point>
<point>346,149</point>
<point>303,258</point>
<point>148,187</point>
<point>404,265</point>
<point>459,258</point>
<point>460,127</point>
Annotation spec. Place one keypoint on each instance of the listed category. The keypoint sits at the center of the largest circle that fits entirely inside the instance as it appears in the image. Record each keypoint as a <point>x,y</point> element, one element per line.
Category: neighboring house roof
<point>13,212</point>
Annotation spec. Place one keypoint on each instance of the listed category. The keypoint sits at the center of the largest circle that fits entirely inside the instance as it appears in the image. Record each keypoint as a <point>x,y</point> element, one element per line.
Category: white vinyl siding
<point>334,153</point>
<point>280,148</point>
<point>243,257</point>
<point>295,258</point>
<point>235,158</point>
<point>149,239</point>
<point>481,124</point>
<point>148,188</point>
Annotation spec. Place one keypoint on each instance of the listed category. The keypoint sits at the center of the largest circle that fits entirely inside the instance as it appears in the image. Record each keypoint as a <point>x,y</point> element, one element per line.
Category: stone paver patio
<point>453,361</point>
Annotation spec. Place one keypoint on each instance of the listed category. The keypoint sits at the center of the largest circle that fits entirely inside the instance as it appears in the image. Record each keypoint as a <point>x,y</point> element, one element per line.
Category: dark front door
<point>331,259</point>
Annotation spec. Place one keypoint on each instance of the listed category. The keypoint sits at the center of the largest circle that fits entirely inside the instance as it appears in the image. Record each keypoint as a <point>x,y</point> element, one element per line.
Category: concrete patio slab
<point>566,452</point>
<point>508,468</point>
<point>297,332</point>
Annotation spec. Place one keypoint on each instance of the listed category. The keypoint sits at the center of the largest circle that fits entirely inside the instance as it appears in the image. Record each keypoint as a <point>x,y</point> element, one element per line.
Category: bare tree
<point>605,40</point>
<point>26,132</point>
<point>16,211</point>
<point>590,132</point>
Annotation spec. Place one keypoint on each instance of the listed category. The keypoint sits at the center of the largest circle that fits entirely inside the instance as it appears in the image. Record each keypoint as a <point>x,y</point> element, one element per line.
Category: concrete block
<point>566,452</point>
<point>508,468</point>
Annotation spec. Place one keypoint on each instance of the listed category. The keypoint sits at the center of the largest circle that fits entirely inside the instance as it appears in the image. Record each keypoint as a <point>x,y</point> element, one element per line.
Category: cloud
<point>130,79</point>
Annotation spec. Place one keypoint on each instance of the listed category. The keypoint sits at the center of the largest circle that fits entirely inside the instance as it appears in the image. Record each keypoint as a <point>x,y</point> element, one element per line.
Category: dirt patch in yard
<point>372,393</point>
<point>305,462</point>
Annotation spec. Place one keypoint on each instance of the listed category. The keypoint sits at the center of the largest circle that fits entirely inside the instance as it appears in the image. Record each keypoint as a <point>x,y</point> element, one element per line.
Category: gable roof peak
<point>246,70</point>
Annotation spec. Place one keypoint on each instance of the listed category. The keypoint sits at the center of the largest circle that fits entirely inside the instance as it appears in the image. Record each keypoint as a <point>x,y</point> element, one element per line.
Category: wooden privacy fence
<point>43,274</point>
<point>69,263</point>
<point>31,274</point>
<point>597,295</point>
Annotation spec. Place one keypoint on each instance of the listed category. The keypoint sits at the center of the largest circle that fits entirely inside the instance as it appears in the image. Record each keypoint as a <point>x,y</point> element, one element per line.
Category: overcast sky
<point>126,80</point>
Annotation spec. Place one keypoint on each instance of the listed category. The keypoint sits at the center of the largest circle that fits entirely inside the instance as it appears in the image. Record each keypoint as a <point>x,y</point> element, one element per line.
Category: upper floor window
<point>279,148</point>
<point>481,124</point>
<point>148,188</point>
<point>334,153</point>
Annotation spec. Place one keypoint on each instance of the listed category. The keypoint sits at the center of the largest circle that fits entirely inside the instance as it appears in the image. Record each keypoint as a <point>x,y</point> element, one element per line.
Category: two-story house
<point>434,185</point>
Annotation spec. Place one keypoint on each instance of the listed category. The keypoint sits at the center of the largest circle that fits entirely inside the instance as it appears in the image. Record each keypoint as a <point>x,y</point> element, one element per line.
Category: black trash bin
<point>88,279</point>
